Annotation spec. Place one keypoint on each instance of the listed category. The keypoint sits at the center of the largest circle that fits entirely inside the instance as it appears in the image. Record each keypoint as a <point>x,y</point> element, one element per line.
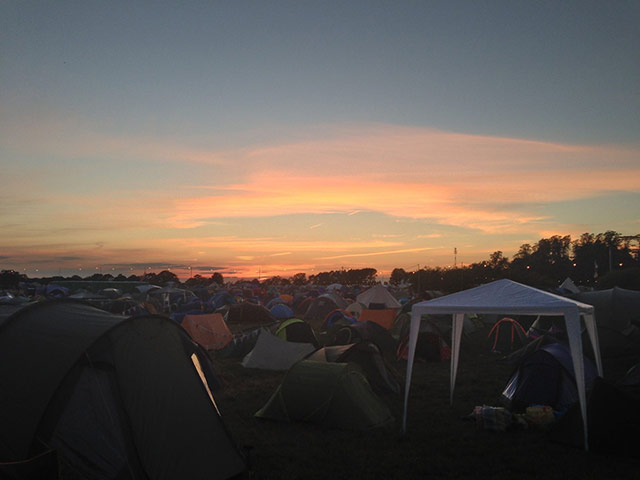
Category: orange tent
<point>385,318</point>
<point>288,299</point>
<point>210,331</point>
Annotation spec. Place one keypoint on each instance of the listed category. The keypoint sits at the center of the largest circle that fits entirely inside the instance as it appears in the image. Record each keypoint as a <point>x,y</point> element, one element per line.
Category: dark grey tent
<point>322,305</point>
<point>617,312</point>
<point>115,397</point>
<point>367,355</point>
<point>336,395</point>
<point>614,420</point>
<point>247,315</point>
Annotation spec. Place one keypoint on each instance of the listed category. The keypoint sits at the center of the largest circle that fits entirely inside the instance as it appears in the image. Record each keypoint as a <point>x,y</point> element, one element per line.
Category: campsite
<point>317,240</point>
<point>441,442</point>
<point>315,386</point>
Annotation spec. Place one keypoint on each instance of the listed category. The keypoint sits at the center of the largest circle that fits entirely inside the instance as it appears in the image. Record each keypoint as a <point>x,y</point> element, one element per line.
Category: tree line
<point>598,260</point>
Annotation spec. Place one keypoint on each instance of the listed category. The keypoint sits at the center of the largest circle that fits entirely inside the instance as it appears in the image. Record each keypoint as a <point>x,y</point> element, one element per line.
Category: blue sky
<point>243,134</point>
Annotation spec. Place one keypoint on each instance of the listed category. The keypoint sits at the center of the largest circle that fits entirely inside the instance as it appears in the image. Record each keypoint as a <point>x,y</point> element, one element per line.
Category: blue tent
<point>281,311</point>
<point>546,377</point>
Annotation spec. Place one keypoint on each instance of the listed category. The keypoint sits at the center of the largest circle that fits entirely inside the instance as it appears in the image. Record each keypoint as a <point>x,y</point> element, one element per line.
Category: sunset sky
<point>277,137</point>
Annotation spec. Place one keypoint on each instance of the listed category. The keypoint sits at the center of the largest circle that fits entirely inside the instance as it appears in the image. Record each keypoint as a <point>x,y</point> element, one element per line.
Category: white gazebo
<point>509,298</point>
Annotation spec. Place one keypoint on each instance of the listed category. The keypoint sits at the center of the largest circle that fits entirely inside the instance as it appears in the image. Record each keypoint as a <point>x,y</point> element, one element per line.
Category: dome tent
<point>378,297</point>
<point>322,305</point>
<point>336,395</point>
<point>116,397</point>
<point>296,330</point>
<point>281,311</point>
<point>545,376</point>
<point>208,330</point>
<point>271,352</point>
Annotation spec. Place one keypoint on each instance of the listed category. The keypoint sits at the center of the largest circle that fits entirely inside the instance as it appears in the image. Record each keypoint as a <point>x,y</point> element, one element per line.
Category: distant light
<point>528,267</point>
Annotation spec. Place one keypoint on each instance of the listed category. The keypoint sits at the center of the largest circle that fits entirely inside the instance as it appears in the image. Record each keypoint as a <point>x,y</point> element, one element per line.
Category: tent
<point>222,299</point>
<point>249,315</point>
<point>617,312</point>
<point>336,395</point>
<point>301,305</point>
<point>355,309</point>
<point>383,317</point>
<point>273,353</point>
<point>208,330</point>
<point>506,297</point>
<point>115,397</point>
<point>506,336</point>
<point>337,317</point>
<point>431,344</point>
<point>569,286</point>
<point>546,377</point>
<point>364,332</point>
<point>614,421</point>
<point>368,356</point>
<point>56,291</point>
<point>281,311</point>
<point>240,344</point>
<point>378,297</point>
<point>296,330</point>
<point>322,305</point>
<point>275,301</point>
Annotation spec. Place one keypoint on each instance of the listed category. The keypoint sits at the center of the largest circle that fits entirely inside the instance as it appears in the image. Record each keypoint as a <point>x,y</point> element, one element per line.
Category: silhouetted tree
<point>597,255</point>
<point>398,276</point>
<point>217,278</point>
<point>299,279</point>
<point>197,280</point>
<point>166,276</point>
<point>10,279</point>
<point>96,277</point>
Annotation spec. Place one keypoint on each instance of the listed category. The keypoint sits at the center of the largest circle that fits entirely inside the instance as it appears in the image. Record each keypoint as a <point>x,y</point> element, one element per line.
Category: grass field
<point>439,443</point>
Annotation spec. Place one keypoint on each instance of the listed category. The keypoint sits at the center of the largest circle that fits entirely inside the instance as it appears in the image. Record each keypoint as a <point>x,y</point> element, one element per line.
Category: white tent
<point>569,285</point>
<point>507,297</point>
<point>378,294</point>
<point>274,353</point>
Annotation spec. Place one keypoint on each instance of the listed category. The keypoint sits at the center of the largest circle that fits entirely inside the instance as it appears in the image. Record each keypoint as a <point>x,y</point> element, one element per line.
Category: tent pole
<point>456,335</point>
<point>413,340</point>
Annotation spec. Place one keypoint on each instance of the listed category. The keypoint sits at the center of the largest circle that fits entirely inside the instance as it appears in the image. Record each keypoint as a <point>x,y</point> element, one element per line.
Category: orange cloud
<point>482,203</point>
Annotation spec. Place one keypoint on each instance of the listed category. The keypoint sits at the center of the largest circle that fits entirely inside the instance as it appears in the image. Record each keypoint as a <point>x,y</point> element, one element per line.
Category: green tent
<point>115,397</point>
<point>337,395</point>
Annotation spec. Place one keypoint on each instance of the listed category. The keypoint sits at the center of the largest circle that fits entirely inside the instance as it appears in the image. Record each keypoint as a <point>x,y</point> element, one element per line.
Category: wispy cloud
<point>375,254</point>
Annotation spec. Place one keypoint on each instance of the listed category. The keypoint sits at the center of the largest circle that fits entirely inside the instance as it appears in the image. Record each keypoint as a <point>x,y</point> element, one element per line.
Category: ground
<point>440,441</point>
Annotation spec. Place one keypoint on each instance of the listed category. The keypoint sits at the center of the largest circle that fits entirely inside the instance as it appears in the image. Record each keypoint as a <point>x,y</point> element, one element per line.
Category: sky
<point>260,138</point>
